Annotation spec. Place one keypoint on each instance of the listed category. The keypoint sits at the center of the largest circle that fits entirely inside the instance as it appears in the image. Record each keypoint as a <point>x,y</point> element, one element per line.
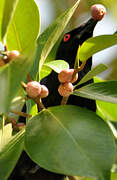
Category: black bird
<point>26,169</point>
<point>67,51</point>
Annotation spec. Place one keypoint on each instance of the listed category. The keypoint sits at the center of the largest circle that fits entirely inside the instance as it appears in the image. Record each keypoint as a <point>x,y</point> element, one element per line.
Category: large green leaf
<point>104,91</point>
<point>10,151</point>
<point>96,44</point>
<point>71,140</point>
<point>24,27</point>
<point>8,11</point>
<point>107,111</point>
<point>49,37</point>
<point>11,76</point>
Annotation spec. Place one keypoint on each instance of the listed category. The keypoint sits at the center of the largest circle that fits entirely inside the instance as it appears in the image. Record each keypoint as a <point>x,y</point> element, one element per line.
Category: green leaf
<point>104,91</point>
<point>113,129</point>
<point>94,72</point>
<point>2,2</point>
<point>49,37</point>
<point>31,108</point>
<point>5,135</point>
<point>11,76</point>
<point>106,110</point>
<point>45,71</point>
<point>24,27</point>
<point>10,152</point>
<point>9,9</point>
<point>96,44</point>
<point>97,79</point>
<point>1,121</point>
<point>114,176</point>
<point>71,140</point>
<point>57,65</point>
<point>17,105</point>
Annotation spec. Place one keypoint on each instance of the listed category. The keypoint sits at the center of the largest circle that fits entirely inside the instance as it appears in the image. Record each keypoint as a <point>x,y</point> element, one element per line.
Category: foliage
<point>50,133</point>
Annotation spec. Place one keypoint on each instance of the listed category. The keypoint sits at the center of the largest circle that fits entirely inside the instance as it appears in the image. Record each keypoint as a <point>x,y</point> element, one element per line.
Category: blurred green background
<point>50,9</point>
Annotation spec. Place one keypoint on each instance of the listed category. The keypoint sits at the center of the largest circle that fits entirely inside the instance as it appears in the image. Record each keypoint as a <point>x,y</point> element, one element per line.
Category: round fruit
<point>66,75</point>
<point>13,54</point>
<point>98,11</point>
<point>44,91</point>
<point>65,89</point>
<point>33,89</point>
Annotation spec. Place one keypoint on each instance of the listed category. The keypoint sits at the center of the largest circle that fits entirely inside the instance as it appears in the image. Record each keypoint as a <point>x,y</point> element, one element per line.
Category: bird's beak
<point>86,30</point>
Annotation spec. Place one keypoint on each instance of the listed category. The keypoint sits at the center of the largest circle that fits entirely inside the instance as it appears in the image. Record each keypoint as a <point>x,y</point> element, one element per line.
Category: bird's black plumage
<point>67,51</point>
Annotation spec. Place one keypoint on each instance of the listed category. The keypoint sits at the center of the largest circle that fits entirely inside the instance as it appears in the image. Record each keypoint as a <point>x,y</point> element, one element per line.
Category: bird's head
<point>69,45</point>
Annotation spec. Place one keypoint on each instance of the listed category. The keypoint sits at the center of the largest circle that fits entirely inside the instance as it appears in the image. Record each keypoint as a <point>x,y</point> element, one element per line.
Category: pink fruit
<point>33,89</point>
<point>98,11</point>
<point>13,54</point>
<point>44,91</point>
<point>65,89</point>
<point>66,75</point>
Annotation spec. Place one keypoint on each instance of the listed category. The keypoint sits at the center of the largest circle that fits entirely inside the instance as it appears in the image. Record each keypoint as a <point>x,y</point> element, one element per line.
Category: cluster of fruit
<point>66,77</point>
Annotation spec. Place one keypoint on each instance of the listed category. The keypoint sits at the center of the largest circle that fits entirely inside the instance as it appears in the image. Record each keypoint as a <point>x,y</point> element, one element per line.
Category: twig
<point>29,77</point>
<point>80,68</point>
<point>74,73</point>
<point>39,103</point>
<point>64,100</point>
<point>21,114</point>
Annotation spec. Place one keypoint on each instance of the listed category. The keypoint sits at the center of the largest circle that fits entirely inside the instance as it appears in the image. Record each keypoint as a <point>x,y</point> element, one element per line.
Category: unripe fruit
<point>66,75</point>
<point>33,89</point>
<point>98,11</point>
<point>44,91</point>
<point>65,89</point>
<point>13,54</point>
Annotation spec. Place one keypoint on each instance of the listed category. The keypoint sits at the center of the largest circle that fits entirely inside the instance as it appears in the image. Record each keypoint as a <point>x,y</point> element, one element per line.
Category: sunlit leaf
<point>24,27</point>
<point>45,71</point>
<point>96,44</point>
<point>8,11</point>
<point>108,110</point>
<point>49,37</point>
<point>114,176</point>
<point>5,135</point>
<point>2,2</point>
<point>58,65</point>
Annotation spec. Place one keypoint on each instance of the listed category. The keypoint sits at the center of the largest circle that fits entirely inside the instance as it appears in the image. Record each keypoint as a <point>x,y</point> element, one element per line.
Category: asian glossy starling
<point>26,169</point>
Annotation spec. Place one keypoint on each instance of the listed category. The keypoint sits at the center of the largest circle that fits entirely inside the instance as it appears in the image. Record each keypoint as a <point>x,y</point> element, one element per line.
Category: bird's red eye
<point>66,37</point>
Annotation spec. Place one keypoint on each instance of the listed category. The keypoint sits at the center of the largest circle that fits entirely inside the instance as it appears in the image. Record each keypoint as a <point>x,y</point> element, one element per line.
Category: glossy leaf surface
<point>71,140</point>
<point>104,91</point>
